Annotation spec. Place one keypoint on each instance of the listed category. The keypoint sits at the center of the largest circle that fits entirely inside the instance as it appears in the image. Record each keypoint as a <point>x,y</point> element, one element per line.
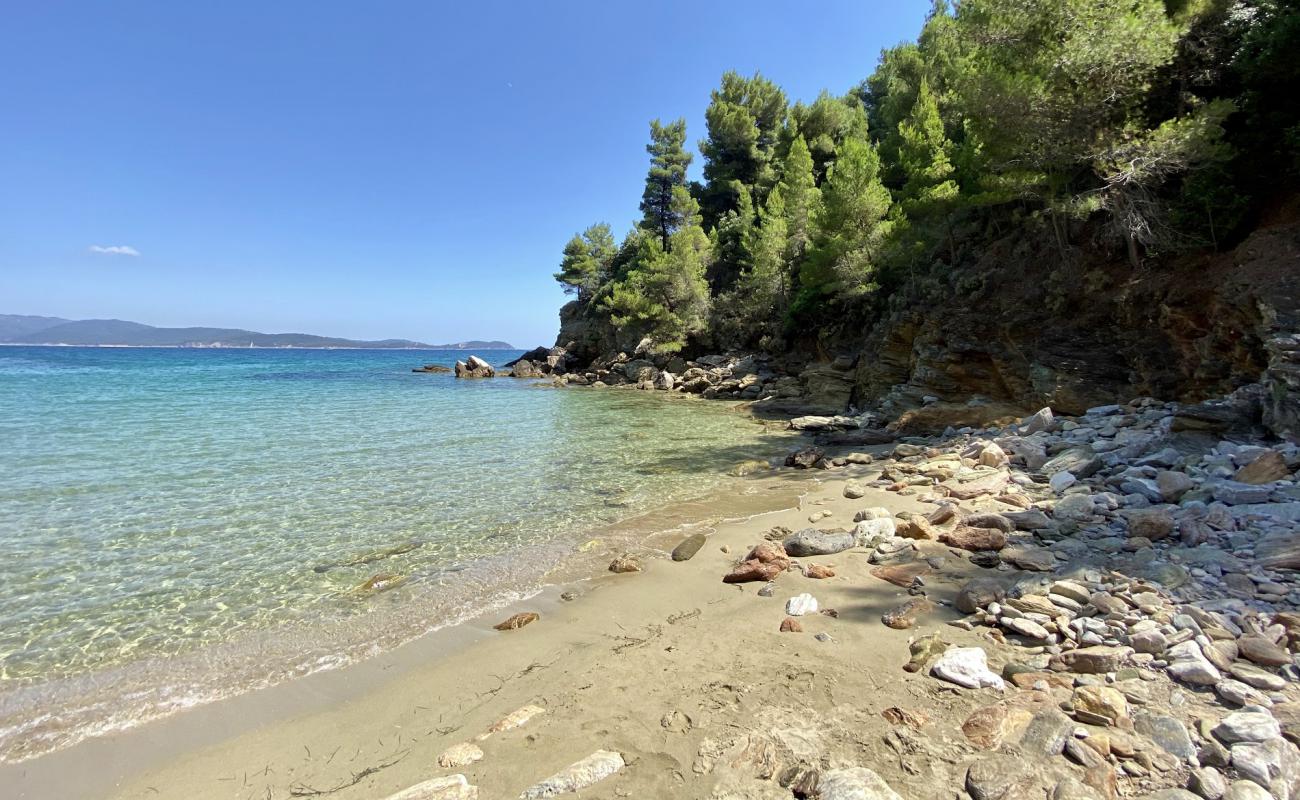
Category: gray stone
<point>1166,732</point>
<point>1247,726</point>
<point>812,542</point>
<point>688,547</point>
<point>1237,494</point>
<point>1047,733</point>
<point>1246,790</point>
<point>854,783</point>
<point>1208,782</point>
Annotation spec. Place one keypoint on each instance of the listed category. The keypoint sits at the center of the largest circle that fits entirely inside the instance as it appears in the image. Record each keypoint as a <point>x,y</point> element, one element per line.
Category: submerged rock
<point>688,547</point>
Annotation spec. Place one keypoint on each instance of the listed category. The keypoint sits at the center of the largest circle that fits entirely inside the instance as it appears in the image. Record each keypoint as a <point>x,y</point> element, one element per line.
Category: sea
<point>180,525</point>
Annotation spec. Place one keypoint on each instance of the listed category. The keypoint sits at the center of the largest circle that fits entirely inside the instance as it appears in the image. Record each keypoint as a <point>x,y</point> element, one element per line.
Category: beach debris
<point>801,604</point>
<point>451,787</point>
<point>515,719</point>
<point>905,615</point>
<point>688,547</point>
<point>592,769</point>
<point>460,755</point>
<point>518,621</point>
<point>791,625</point>
<point>966,666</point>
<point>370,557</point>
<point>854,783</point>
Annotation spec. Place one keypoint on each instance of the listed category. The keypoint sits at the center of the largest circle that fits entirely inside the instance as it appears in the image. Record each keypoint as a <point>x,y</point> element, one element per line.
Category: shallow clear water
<point>177,524</point>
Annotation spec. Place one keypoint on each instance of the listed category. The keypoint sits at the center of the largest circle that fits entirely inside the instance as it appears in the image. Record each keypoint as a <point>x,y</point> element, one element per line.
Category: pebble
<point>592,769</point>
<point>800,605</point>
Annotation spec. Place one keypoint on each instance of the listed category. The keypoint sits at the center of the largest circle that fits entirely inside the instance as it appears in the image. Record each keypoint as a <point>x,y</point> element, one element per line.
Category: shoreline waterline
<point>148,743</point>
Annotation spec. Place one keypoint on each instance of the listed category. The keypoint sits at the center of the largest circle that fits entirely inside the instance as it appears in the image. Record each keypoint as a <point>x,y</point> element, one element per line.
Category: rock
<point>1267,468</point>
<point>475,367</point>
<point>437,369</point>
<point>1000,777</point>
<point>1031,520</point>
<point>665,381</point>
<point>854,783</point>
<point>1239,694</point>
<point>625,563</point>
<point>1040,420</point>
<point>987,726</point>
<point>1037,559</point>
<point>854,490</point>
<point>1166,732</point>
<point>1262,651</point>
<point>1238,494</point>
<point>1189,664</point>
<point>460,755</point>
<point>805,458</point>
<point>1047,733</point>
<point>801,604</point>
<point>924,649</point>
<point>1208,782</point>
<point>996,521</point>
<point>688,547</point>
<point>1061,481</point>
<point>1069,788</point>
<point>523,368</point>
<point>1247,726</point>
<point>595,767</point>
<point>791,625</point>
<point>812,542</point>
<point>517,621</point>
<point>906,615</point>
<point>1254,676</point>
<point>1173,485</point>
<point>1170,794</point>
<point>515,719</point>
<point>1273,765</point>
<point>451,787</point>
<point>914,527</point>
<point>979,593</point>
<point>1026,628</point>
<point>992,456</point>
<point>818,571</point>
<point>753,570</point>
<point>1094,660</point>
<point>1152,523</point>
<point>1246,790</point>
<point>902,575</point>
<point>966,666</point>
<point>869,531</point>
<point>967,538</point>
<point>1152,641</point>
<point>1101,705</point>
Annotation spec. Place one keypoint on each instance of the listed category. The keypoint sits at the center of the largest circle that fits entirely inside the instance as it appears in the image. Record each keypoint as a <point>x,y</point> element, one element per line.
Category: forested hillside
<point>1044,136</point>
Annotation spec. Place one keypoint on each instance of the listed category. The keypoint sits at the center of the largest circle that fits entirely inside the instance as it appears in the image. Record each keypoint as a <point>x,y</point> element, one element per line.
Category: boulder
<point>966,666</point>
<point>474,367</point>
<point>854,783</point>
<point>979,593</point>
<point>812,542</point>
<point>1267,468</point>
<point>967,538</point>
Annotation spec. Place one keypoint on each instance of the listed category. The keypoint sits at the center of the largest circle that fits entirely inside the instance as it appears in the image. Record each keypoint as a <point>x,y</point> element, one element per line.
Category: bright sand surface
<point>670,667</point>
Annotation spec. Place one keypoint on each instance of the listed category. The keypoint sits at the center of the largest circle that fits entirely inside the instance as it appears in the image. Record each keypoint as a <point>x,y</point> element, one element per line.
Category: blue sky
<point>389,169</point>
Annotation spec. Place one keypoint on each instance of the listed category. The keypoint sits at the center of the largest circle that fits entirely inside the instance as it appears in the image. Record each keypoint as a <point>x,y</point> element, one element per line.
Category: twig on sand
<point>682,616</point>
<point>303,790</point>
<point>652,632</point>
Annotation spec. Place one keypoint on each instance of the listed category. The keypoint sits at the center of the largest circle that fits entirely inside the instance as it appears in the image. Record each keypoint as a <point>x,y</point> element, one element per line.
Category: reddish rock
<point>753,570</point>
<point>1265,469</point>
<point>819,571</point>
<point>994,484</point>
<point>901,574</point>
<point>968,538</point>
<point>902,716</point>
<point>985,727</point>
<point>1262,651</point>
<point>517,621</point>
<point>769,553</point>
<point>906,615</point>
<point>791,625</point>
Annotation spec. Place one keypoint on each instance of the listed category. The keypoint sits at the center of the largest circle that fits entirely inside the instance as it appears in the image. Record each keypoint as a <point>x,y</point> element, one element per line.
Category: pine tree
<point>842,261</point>
<point>668,163</point>
<point>802,200</point>
<point>587,260</point>
<point>744,121</point>
<point>925,155</point>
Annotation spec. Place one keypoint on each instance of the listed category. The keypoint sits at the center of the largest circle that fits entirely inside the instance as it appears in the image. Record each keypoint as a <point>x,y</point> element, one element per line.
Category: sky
<point>368,170</point>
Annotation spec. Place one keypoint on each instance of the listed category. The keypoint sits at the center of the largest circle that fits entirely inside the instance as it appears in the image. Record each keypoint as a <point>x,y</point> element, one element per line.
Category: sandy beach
<point>661,665</point>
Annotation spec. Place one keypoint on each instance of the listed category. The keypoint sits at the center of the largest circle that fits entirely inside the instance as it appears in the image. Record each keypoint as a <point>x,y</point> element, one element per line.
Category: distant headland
<point>33,330</point>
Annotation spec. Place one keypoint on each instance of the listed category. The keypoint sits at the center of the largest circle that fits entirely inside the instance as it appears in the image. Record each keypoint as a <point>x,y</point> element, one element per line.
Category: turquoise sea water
<point>177,525</point>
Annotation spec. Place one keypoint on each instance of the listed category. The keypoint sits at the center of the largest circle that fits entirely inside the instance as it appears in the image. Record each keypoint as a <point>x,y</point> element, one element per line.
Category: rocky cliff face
<point>1023,337</point>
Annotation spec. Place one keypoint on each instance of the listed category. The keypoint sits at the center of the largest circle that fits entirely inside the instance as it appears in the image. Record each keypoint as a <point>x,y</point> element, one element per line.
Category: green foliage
<point>663,295</point>
<point>851,228</point>
<point>587,260</point>
<point>823,126</point>
<point>668,163</point>
<point>744,120</point>
<point>925,156</point>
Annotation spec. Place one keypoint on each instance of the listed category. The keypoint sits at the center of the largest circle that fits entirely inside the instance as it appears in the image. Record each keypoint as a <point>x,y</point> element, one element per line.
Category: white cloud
<point>115,250</point>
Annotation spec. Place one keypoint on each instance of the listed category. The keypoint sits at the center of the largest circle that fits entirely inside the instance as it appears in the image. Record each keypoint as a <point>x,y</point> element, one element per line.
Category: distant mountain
<point>16,329</point>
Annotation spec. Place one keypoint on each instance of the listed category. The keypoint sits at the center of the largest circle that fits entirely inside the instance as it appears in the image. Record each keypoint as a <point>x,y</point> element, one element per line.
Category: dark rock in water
<point>517,621</point>
<point>475,367</point>
<point>812,542</point>
<point>523,368</point>
<point>434,368</point>
<point>688,547</point>
<point>370,557</point>
<point>805,458</point>
<point>863,436</point>
<point>380,583</point>
<point>906,615</point>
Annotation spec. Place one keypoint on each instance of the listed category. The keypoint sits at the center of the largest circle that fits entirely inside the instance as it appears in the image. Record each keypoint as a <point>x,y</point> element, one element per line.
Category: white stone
<point>801,604</point>
<point>452,787</point>
<point>595,767</point>
<point>1061,481</point>
<point>966,666</point>
<point>854,783</point>
<point>1247,726</point>
<point>868,531</point>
